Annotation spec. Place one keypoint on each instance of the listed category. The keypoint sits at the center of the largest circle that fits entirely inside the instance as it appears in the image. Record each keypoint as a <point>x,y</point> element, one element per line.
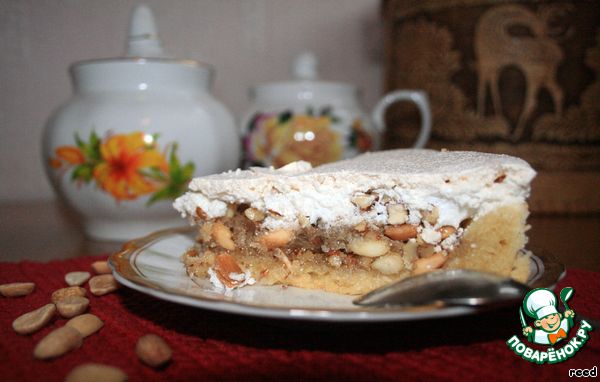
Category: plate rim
<point>126,274</point>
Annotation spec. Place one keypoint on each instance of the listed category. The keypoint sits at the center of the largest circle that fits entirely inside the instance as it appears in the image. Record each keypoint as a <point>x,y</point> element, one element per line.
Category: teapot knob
<point>143,38</point>
<point>305,66</point>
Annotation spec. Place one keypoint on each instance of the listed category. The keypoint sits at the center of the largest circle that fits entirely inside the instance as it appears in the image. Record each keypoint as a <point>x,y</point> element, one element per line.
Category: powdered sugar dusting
<point>428,162</point>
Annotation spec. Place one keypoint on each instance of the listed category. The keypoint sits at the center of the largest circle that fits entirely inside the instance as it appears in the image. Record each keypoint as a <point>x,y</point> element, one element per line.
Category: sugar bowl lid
<point>305,83</point>
<point>143,40</point>
<point>143,46</point>
<point>145,66</point>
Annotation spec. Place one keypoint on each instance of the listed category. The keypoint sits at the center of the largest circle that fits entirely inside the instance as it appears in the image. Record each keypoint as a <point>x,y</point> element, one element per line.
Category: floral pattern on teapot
<point>126,166</point>
<point>276,139</point>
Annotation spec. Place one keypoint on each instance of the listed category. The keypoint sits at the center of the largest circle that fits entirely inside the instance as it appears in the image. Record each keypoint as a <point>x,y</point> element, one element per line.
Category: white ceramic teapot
<point>135,131</point>
<point>317,121</point>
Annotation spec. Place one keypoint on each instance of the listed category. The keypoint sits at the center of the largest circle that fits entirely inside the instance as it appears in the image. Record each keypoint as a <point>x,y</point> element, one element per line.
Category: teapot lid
<point>305,82</point>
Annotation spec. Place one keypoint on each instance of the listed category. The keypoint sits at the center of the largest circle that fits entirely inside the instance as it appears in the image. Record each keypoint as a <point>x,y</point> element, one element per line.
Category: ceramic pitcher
<point>317,121</point>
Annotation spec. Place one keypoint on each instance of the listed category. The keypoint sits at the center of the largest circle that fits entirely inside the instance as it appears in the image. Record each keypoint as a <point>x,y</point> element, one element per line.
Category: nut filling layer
<point>236,250</point>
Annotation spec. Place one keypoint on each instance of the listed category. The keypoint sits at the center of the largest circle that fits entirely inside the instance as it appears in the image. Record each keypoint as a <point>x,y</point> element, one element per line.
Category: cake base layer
<point>491,243</point>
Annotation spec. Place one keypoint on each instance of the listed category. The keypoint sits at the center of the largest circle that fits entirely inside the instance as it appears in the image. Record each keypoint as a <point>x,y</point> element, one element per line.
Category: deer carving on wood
<point>536,55</point>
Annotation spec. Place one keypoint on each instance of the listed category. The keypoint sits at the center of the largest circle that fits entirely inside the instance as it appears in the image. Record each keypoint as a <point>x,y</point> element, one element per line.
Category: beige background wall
<point>249,41</point>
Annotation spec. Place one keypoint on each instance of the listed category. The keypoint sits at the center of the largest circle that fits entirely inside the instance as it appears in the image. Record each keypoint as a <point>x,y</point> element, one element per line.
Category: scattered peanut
<point>103,284</point>
<point>446,231</point>
<point>222,235</point>
<point>397,214</point>
<point>101,267</point>
<point>86,324</point>
<point>16,289</point>
<point>363,201</point>
<point>66,292</point>
<point>34,320</point>
<point>254,215</point>
<point>58,342</point>
<point>428,264</point>
<point>277,238</point>
<point>369,245</point>
<point>388,264</point>
<point>96,372</point>
<point>153,350</point>
<point>72,306</point>
<point>77,278</point>
<point>400,232</point>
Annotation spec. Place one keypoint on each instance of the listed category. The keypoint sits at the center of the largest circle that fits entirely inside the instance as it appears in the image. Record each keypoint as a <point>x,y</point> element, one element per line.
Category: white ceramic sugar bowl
<point>317,121</point>
<point>135,131</point>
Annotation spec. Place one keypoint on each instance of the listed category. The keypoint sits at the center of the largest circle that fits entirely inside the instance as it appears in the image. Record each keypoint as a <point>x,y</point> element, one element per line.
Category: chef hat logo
<point>540,303</point>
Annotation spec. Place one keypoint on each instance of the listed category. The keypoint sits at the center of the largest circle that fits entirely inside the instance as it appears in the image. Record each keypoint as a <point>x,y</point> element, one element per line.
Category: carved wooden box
<point>521,78</point>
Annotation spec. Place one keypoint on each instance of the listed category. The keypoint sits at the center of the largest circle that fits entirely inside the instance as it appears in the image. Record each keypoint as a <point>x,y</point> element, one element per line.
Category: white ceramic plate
<point>152,265</point>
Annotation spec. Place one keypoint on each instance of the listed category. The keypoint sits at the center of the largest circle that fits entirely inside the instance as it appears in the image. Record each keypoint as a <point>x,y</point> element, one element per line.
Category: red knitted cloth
<point>214,346</point>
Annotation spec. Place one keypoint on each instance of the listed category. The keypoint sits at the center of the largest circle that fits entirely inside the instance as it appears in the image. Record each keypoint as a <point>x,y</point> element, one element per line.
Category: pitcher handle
<point>416,96</point>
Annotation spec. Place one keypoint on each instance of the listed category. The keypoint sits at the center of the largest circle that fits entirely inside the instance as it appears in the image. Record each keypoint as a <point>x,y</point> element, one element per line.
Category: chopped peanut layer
<point>355,259</point>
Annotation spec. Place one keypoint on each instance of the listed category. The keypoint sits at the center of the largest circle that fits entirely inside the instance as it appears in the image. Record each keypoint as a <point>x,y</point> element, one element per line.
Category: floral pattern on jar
<point>276,139</point>
<point>126,166</point>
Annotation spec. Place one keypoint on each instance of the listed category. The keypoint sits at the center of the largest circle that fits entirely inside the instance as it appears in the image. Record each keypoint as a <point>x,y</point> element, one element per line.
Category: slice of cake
<point>355,225</point>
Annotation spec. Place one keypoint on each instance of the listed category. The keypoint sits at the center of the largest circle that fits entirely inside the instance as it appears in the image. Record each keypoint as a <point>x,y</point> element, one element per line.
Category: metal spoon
<point>455,287</point>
